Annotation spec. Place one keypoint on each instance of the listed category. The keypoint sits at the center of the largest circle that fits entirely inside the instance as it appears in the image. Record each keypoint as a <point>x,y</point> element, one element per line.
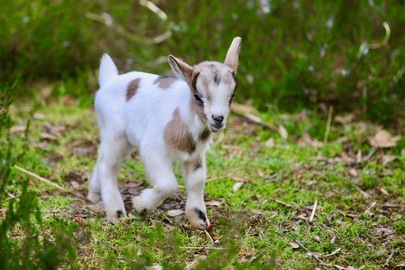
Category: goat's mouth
<point>216,128</point>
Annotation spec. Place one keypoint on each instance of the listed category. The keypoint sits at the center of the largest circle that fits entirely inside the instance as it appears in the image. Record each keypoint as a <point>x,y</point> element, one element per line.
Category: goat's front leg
<point>195,175</point>
<point>161,176</point>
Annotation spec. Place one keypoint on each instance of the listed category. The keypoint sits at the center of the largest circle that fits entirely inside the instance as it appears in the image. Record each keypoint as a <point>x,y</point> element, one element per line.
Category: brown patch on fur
<point>177,135</point>
<point>205,135</point>
<point>198,108</point>
<point>194,165</point>
<point>132,88</point>
<point>165,82</point>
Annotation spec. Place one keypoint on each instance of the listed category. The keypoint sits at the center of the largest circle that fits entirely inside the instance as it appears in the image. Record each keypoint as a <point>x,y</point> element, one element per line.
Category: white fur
<point>139,124</point>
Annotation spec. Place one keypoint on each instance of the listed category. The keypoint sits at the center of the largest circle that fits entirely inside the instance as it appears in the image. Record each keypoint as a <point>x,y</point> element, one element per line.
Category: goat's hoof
<point>138,205</point>
<point>113,216</point>
<point>197,218</point>
<point>94,197</point>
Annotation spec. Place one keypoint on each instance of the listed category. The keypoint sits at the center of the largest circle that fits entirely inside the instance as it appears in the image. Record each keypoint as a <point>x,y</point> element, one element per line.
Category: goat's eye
<point>197,98</point>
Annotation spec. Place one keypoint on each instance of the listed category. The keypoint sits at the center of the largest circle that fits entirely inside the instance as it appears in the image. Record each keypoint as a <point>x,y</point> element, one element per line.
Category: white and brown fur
<point>167,119</point>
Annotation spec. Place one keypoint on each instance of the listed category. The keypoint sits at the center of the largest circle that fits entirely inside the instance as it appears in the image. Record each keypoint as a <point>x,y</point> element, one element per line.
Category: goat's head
<point>213,86</point>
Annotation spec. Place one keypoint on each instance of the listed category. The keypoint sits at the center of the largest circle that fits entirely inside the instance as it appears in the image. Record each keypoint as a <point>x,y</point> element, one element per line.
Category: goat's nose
<point>218,119</point>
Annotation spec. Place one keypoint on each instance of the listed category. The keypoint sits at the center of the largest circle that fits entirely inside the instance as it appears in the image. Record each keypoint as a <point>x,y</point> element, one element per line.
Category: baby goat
<point>166,119</point>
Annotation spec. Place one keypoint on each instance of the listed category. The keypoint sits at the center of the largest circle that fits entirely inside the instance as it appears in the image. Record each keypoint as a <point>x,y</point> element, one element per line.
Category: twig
<point>313,211</point>
<point>209,236</point>
<point>109,21</point>
<point>205,248</point>
<point>38,177</point>
<point>155,9</point>
<point>365,194</point>
<point>254,258</point>
<point>368,209</point>
<point>222,177</point>
<point>284,203</point>
<point>387,262</point>
<point>372,151</point>
<point>50,183</point>
<point>333,253</point>
<point>310,253</point>
<point>256,120</point>
<point>325,138</point>
<point>364,46</point>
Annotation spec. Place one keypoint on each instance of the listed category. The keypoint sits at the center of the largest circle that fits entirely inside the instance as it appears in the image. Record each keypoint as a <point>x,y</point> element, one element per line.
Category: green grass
<point>260,219</point>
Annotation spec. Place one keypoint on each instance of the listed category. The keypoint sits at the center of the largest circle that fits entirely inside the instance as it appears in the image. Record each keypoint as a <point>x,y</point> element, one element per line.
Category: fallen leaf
<point>98,207</point>
<point>383,191</point>
<point>283,132</point>
<point>344,119</point>
<point>383,231</point>
<point>154,267</point>
<point>339,267</point>
<point>353,172</point>
<point>350,268</point>
<point>309,141</point>
<point>39,116</point>
<point>270,143</point>
<point>212,203</point>
<point>237,186</point>
<point>175,213</point>
<point>17,129</point>
<point>75,184</point>
<point>387,159</point>
<point>383,139</point>
<point>47,136</point>
<point>260,173</point>
<point>80,220</point>
<point>241,179</point>
<point>245,254</point>
<point>257,212</point>
<point>403,152</point>
<point>311,183</point>
<point>294,245</point>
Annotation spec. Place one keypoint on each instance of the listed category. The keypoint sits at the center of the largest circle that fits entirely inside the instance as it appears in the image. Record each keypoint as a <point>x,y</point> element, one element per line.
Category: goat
<point>167,119</point>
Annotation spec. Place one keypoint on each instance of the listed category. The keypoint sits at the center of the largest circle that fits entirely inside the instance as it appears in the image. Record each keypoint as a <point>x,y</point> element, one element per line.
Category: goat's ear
<point>182,69</point>
<point>232,56</point>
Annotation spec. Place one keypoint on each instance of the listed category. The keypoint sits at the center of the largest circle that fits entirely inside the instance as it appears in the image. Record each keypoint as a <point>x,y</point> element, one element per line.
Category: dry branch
<point>311,218</point>
<point>311,254</point>
<point>387,262</point>
<point>38,177</point>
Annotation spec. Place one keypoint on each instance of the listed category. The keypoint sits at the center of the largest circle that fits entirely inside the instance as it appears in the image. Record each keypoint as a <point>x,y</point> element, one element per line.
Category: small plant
<point>24,242</point>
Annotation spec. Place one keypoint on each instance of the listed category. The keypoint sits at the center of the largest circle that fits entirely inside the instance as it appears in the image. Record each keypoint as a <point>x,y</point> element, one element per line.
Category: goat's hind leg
<point>111,153</point>
<point>161,176</point>
<point>94,194</point>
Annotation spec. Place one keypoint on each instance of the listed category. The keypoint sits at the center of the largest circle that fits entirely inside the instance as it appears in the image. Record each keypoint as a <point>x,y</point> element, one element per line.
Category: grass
<point>359,220</point>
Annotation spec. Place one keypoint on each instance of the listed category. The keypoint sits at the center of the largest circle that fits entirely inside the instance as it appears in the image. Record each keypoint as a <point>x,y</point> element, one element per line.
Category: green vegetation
<point>298,60</point>
<point>295,53</point>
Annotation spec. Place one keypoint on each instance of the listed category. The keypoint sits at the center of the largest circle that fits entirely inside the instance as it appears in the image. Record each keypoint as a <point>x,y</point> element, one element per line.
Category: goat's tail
<point>108,70</point>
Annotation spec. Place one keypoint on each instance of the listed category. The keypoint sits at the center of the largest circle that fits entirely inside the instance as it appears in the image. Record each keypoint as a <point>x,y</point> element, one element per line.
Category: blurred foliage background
<point>295,54</point>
